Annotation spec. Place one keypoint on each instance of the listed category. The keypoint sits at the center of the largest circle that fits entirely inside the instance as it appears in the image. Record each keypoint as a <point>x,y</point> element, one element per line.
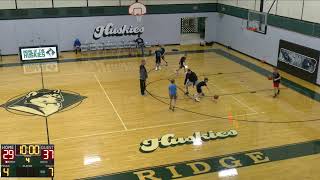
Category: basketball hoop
<point>138,10</point>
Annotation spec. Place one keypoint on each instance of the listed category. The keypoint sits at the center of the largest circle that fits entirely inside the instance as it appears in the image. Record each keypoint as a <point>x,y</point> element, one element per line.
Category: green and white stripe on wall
<point>296,25</point>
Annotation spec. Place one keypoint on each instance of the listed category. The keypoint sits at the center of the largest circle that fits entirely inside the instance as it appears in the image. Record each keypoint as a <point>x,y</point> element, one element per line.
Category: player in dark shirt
<point>199,89</point>
<point>191,79</point>
<point>158,59</point>
<point>182,64</point>
<point>143,77</point>
<point>163,51</point>
<point>276,82</point>
<point>140,44</point>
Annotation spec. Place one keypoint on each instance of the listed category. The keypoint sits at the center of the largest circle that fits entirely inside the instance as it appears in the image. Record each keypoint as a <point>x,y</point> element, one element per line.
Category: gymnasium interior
<point>72,107</point>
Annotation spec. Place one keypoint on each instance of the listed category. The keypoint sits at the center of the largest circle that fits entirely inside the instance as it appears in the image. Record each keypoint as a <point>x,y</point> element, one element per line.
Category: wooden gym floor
<point>100,137</point>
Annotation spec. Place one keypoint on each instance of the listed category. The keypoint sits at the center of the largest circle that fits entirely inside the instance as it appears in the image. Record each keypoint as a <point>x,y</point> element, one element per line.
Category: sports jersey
<point>192,77</point>
<point>139,41</point>
<point>182,61</point>
<point>162,51</point>
<point>200,84</point>
<point>276,77</point>
<point>172,89</point>
<point>158,54</point>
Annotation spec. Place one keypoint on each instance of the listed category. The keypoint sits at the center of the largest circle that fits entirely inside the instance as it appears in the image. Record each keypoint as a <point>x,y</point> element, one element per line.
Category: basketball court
<point>89,107</point>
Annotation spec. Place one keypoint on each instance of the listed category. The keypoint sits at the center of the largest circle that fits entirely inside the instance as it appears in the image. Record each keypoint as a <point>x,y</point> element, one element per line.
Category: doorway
<point>192,30</point>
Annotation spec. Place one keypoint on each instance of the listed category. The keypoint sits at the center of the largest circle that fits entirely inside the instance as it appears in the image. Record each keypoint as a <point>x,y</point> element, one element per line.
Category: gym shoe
<point>278,91</point>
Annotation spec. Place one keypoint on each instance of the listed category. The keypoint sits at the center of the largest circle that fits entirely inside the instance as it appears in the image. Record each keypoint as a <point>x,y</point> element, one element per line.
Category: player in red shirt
<point>276,82</point>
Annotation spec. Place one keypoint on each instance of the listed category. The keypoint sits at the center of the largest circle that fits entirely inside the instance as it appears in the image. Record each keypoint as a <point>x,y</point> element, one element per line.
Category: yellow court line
<point>107,96</point>
<point>148,127</point>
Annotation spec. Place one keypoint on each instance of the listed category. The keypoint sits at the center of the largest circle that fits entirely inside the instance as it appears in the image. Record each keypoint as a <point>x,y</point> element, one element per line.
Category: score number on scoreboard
<point>27,160</point>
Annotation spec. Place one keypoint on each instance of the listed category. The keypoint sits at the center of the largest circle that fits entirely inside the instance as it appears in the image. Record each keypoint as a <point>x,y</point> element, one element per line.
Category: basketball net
<point>139,18</point>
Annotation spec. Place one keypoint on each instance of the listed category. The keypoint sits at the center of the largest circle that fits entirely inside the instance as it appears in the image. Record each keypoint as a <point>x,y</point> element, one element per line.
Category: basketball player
<point>182,64</point>
<point>140,44</point>
<point>143,77</point>
<point>162,50</point>
<point>158,59</point>
<point>190,80</point>
<point>199,89</point>
<point>172,94</point>
<point>276,82</point>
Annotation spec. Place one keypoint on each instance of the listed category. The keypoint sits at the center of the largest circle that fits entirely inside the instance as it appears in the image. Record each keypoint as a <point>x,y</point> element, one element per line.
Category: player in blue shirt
<point>77,45</point>
<point>172,94</point>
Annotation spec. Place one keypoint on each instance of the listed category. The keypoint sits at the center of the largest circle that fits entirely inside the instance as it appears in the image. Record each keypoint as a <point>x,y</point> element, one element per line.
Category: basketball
<point>215,97</point>
<point>269,78</point>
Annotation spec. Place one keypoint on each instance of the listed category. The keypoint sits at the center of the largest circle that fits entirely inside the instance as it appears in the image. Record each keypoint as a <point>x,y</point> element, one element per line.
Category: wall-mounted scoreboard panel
<point>27,160</point>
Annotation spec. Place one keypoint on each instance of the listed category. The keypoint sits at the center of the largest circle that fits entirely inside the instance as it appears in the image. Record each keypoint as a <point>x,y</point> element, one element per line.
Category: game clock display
<point>27,160</point>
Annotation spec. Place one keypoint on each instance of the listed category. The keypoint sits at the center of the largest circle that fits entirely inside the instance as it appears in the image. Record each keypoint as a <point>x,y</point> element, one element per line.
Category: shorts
<point>173,96</point>
<point>276,84</point>
<point>158,60</point>
<point>199,90</point>
<point>191,83</point>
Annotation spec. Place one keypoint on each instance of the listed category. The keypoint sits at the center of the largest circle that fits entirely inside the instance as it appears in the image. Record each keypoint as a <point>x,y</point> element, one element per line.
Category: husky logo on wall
<point>298,60</point>
<point>43,102</point>
<point>110,30</point>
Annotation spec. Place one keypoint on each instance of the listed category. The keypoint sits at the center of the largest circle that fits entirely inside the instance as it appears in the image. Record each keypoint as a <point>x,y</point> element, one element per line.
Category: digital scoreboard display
<point>27,160</point>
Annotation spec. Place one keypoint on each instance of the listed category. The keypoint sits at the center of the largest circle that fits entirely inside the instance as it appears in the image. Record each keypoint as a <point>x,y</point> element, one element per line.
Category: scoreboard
<point>27,160</point>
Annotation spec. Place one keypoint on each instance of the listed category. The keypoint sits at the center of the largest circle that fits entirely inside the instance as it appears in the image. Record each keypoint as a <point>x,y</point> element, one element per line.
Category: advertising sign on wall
<point>298,60</point>
<point>38,53</point>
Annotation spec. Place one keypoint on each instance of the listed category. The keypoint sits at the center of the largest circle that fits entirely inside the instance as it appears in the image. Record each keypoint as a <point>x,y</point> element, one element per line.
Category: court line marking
<point>150,127</point>
<point>47,75</point>
<point>107,96</point>
<point>70,74</point>
<point>236,99</point>
<point>244,104</point>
